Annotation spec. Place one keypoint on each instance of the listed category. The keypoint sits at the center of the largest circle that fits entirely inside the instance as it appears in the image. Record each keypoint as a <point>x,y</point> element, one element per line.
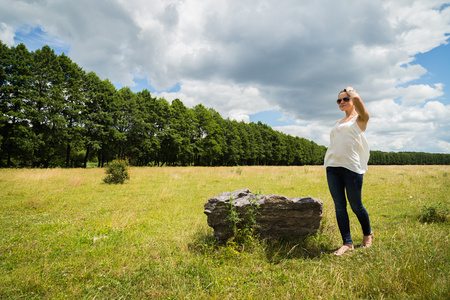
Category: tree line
<point>54,114</point>
<point>408,158</point>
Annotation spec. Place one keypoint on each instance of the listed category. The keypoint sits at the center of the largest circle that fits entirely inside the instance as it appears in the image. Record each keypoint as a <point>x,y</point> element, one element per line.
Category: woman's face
<point>343,106</point>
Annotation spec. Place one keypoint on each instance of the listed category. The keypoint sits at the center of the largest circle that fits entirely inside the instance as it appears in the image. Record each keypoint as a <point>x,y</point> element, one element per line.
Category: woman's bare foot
<point>345,248</point>
<point>367,240</point>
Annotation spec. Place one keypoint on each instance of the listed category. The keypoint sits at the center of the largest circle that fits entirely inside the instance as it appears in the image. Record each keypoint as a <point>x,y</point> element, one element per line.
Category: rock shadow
<point>274,250</point>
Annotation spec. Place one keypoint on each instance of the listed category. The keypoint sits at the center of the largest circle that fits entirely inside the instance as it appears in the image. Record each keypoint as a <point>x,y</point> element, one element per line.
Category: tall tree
<point>47,120</point>
<point>125,116</point>
<point>4,58</point>
<point>98,119</point>
<point>257,156</point>
<point>217,140</point>
<point>73,108</point>
<point>153,121</point>
<point>202,128</point>
<point>210,136</point>
<point>234,151</point>
<point>176,146</point>
<point>162,114</point>
<point>16,106</point>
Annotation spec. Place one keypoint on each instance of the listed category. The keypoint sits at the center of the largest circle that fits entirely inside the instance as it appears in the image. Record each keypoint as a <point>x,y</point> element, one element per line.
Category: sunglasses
<point>346,99</point>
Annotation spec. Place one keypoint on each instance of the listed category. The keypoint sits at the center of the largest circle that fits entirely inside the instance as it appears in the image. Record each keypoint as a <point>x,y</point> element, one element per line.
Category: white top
<point>348,147</point>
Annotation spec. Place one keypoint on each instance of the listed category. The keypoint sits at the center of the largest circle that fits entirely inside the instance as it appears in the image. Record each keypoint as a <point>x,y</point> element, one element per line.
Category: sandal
<point>344,249</point>
<point>367,240</point>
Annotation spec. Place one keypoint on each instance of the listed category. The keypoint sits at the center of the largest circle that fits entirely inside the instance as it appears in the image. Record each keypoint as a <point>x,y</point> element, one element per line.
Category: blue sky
<point>35,38</point>
<point>279,63</point>
<point>437,63</point>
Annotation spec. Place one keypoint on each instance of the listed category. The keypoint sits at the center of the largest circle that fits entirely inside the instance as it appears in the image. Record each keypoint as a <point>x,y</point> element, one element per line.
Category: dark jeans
<point>342,181</point>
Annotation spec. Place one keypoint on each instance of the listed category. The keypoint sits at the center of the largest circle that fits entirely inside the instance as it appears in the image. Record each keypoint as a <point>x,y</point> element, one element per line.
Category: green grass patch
<point>66,234</point>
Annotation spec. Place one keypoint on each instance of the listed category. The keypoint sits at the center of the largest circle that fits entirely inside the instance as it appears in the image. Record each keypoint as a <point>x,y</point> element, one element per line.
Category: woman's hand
<point>349,89</point>
<point>363,114</point>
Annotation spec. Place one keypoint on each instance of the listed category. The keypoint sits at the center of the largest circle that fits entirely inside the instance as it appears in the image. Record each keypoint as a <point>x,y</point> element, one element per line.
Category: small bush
<point>233,217</point>
<point>435,213</point>
<point>117,172</point>
<point>243,227</point>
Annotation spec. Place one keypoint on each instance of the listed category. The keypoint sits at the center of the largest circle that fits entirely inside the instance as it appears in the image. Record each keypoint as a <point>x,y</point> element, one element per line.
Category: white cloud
<point>231,100</point>
<point>416,94</point>
<point>318,133</point>
<point>240,117</point>
<point>421,24</point>
<point>394,127</point>
<point>6,34</point>
<point>244,57</point>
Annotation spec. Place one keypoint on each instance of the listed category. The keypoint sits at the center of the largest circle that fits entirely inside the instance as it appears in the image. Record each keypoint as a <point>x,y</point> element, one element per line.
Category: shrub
<point>435,213</point>
<point>244,227</point>
<point>117,172</point>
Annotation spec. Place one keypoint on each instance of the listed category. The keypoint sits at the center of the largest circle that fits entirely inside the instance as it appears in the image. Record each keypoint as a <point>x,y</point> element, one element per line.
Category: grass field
<point>66,234</point>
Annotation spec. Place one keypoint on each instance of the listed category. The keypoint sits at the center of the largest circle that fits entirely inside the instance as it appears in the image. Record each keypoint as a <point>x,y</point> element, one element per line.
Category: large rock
<point>278,216</point>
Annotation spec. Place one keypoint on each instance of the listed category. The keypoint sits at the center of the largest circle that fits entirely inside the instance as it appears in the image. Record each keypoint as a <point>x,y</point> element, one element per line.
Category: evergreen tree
<point>234,150</point>
<point>73,110</point>
<point>257,156</point>
<point>209,136</point>
<point>142,135</point>
<point>47,102</point>
<point>156,120</point>
<point>176,146</point>
<point>18,141</point>
<point>98,119</point>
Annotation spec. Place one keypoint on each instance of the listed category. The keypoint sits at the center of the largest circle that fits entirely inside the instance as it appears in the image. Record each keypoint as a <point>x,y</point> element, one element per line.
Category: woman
<point>346,162</point>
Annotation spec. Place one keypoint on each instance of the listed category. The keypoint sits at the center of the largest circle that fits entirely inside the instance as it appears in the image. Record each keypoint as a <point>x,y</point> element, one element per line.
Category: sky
<point>279,62</point>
